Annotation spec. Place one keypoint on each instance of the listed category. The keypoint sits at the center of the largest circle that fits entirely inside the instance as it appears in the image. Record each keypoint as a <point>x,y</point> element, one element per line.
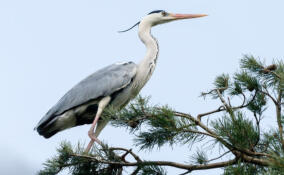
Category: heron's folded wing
<point>102,83</point>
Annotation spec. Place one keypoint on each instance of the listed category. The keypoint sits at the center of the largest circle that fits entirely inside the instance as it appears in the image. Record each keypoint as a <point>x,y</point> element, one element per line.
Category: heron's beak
<point>187,16</point>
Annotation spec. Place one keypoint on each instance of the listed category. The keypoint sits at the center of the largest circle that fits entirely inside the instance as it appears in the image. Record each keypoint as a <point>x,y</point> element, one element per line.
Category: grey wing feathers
<point>102,83</point>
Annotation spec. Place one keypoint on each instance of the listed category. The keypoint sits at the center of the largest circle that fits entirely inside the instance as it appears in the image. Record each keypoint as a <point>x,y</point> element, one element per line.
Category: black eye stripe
<point>156,11</point>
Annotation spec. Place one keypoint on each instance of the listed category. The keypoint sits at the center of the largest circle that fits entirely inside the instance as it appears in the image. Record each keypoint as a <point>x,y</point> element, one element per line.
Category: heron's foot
<point>93,137</point>
<point>91,143</point>
<point>96,140</point>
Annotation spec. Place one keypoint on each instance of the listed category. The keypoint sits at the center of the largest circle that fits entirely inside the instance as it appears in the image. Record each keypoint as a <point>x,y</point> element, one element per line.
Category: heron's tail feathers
<point>48,129</point>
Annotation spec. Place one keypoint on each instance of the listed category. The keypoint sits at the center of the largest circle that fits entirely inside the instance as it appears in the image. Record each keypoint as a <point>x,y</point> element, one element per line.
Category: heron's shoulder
<point>124,63</point>
<point>119,68</point>
<point>128,66</point>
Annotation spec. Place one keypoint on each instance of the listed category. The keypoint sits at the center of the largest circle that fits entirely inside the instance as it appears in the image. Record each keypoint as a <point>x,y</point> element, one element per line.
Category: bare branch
<point>196,121</point>
<point>163,163</point>
<point>198,132</point>
<point>269,95</point>
<point>229,102</point>
<point>135,171</point>
<point>278,115</point>
<point>135,156</point>
<point>244,99</point>
<point>258,127</point>
<point>223,100</point>
<point>185,172</point>
<point>199,116</point>
<point>254,160</point>
<point>274,73</point>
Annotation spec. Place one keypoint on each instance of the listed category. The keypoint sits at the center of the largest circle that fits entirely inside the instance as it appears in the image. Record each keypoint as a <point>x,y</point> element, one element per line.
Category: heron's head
<point>161,16</point>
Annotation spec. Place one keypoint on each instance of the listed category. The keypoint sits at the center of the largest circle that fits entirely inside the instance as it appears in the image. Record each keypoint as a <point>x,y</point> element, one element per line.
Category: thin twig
<point>197,132</point>
<point>199,116</point>
<point>135,171</point>
<point>269,95</point>
<point>229,101</point>
<point>189,171</point>
<point>219,156</point>
<point>274,73</point>
<point>244,99</point>
<point>135,156</point>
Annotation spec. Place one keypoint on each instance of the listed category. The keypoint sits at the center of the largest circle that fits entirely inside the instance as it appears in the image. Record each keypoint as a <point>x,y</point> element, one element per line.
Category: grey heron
<point>113,85</point>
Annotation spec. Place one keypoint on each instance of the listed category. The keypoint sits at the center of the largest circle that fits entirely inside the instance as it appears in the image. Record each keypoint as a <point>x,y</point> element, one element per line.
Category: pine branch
<point>278,116</point>
<point>162,163</point>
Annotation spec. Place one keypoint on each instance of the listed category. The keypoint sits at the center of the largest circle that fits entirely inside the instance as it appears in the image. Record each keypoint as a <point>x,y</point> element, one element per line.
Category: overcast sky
<point>46,47</point>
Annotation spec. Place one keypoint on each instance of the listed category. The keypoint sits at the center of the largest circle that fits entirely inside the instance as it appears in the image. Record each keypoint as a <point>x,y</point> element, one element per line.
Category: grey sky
<point>48,46</point>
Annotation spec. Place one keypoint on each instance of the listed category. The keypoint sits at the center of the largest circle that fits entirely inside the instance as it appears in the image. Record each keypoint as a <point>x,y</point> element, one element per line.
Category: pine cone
<point>269,68</point>
<point>133,124</point>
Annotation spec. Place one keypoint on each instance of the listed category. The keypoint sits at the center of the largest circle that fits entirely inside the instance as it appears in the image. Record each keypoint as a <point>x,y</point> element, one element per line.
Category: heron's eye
<point>164,13</point>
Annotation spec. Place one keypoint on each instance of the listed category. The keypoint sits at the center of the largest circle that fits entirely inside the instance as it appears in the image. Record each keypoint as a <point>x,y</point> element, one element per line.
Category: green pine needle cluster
<point>239,132</point>
<point>67,160</point>
<point>76,162</point>
<point>199,157</point>
<point>163,127</point>
<point>155,170</point>
<point>243,168</point>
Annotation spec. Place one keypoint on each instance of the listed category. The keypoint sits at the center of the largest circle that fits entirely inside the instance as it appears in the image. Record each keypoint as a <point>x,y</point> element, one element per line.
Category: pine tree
<point>238,130</point>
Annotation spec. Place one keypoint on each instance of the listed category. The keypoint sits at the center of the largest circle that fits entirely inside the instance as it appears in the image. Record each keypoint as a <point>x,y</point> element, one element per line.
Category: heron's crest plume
<point>155,11</point>
<point>130,27</point>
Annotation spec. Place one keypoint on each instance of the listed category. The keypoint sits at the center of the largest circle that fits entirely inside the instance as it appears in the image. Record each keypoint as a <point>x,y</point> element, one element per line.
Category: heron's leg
<point>102,104</point>
<point>100,126</point>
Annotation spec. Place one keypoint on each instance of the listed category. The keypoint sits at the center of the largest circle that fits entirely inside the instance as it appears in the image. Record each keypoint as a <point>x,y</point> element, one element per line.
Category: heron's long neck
<point>148,63</point>
<point>150,43</point>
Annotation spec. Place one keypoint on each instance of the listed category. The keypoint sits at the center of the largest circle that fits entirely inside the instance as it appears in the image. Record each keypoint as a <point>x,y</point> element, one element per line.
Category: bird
<point>114,85</point>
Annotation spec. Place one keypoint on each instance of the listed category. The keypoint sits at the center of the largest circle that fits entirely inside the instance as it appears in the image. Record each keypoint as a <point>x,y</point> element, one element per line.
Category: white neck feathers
<point>148,63</point>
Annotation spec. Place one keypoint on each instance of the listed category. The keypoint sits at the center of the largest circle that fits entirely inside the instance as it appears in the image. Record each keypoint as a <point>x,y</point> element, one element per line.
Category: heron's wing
<point>102,83</point>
